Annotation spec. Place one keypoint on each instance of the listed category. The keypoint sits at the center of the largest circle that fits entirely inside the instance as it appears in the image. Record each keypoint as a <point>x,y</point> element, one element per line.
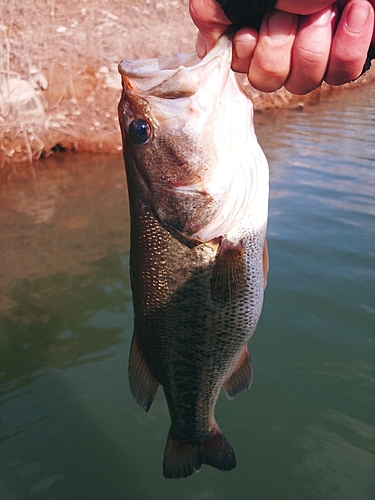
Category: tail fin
<point>181,459</point>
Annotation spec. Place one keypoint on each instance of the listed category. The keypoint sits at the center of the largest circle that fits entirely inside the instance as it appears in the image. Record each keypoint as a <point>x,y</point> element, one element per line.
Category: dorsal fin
<point>176,86</point>
<point>143,384</point>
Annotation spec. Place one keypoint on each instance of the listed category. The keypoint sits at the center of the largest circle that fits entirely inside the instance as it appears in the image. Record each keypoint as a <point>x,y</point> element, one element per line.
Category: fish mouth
<point>175,76</point>
<point>177,92</point>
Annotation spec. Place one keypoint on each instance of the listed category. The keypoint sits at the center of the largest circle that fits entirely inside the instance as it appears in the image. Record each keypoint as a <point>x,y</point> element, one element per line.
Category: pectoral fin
<point>143,384</point>
<point>242,376</point>
<point>229,273</point>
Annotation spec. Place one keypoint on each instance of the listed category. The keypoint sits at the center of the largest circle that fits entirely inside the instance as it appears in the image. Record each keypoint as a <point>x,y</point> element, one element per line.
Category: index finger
<point>211,22</point>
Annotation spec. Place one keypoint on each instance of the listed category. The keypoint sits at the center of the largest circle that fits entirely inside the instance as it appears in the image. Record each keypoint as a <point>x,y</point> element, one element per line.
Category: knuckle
<point>274,68</point>
<point>310,56</point>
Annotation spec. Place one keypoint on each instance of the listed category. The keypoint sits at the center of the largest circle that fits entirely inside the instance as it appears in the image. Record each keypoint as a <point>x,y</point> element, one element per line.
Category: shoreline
<point>33,141</point>
<point>59,91</point>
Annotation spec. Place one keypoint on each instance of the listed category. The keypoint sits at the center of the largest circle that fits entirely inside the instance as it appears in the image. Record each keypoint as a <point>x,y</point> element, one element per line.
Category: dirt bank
<point>59,85</point>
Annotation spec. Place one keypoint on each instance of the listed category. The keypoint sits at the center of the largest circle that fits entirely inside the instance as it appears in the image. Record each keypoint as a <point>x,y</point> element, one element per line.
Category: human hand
<point>299,44</point>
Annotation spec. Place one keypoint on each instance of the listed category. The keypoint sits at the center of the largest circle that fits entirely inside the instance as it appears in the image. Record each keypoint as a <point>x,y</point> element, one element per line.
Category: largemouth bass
<point>198,191</point>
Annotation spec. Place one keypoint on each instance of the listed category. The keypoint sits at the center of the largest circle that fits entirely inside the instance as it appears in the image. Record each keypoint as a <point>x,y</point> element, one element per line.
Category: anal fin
<point>229,273</point>
<point>143,384</point>
<point>242,376</point>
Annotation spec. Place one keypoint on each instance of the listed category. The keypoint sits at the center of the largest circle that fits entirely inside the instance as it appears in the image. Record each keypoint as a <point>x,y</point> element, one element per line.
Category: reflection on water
<point>326,450</point>
<point>69,427</point>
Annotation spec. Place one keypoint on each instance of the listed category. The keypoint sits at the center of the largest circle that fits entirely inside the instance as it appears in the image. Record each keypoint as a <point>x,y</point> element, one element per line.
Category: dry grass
<point>68,51</point>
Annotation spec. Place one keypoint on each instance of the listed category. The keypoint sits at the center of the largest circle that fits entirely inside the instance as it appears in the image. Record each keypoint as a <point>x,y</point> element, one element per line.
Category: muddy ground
<point>59,85</point>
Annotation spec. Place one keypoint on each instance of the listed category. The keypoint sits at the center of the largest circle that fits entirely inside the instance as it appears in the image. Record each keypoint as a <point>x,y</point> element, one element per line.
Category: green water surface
<point>70,429</point>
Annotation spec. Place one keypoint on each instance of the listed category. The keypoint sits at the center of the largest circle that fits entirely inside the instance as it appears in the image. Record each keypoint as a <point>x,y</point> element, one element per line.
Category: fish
<point>198,195</point>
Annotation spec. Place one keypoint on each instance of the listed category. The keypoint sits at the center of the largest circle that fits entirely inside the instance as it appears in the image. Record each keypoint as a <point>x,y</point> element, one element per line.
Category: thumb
<point>211,22</point>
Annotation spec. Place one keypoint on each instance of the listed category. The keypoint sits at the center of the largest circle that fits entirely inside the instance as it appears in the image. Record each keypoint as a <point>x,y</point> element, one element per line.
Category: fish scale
<point>197,292</point>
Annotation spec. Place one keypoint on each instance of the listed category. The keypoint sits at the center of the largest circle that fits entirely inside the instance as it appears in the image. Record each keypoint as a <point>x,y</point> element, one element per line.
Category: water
<point>70,429</point>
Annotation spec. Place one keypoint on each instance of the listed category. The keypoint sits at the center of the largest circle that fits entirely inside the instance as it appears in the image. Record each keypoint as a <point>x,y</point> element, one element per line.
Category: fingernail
<point>240,50</point>
<point>244,49</point>
<point>357,16</point>
<point>201,46</point>
<point>280,25</point>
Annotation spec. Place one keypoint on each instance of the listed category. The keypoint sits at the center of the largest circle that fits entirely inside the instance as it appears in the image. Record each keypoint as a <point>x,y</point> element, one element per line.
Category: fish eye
<point>140,131</point>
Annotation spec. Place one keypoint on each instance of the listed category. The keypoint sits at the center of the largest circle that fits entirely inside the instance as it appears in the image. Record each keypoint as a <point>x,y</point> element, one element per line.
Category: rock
<point>20,101</point>
<point>111,77</point>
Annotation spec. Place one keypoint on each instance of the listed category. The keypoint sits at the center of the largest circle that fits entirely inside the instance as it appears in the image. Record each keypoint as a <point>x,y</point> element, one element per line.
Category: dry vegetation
<point>59,85</point>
